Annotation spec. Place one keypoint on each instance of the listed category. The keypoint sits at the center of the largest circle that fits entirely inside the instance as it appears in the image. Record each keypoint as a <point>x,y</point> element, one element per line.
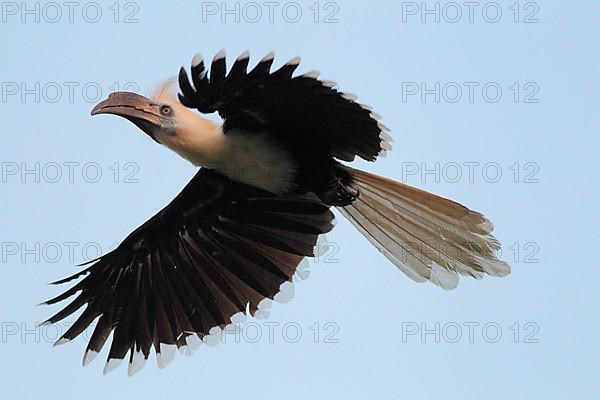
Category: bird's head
<point>153,116</point>
<point>167,121</point>
<point>162,116</point>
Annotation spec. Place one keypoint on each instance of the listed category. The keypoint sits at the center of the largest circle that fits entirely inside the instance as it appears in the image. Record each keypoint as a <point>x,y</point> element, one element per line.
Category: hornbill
<point>237,234</point>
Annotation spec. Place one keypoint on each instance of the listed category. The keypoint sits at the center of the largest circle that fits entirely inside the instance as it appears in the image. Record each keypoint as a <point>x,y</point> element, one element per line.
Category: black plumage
<point>217,248</point>
<point>311,119</point>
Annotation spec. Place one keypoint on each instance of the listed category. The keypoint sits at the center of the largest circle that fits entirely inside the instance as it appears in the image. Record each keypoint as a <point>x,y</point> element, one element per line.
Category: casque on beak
<point>128,105</point>
<point>143,112</point>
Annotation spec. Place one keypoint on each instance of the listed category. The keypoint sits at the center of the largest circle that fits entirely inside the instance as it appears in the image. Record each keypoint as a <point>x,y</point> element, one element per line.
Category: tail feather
<point>427,237</point>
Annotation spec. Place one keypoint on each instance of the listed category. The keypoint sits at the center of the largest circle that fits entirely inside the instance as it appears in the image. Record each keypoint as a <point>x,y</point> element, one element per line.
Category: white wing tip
<point>294,61</point>
<point>302,271</point>
<point>349,96</point>
<point>197,60</point>
<point>88,357</point>
<point>165,355</point>
<point>385,145</point>
<point>214,336</point>
<point>238,318</point>
<point>137,363</point>
<point>382,127</point>
<point>264,309</point>
<point>193,341</point>
<point>244,55</point>
<point>312,74</point>
<point>385,137</point>
<point>375,116</point>
<point>220,55</point>
<point>269,56</point>
<point>185,350</point>
<point>286,292</point>
<point>320,249</point>
<point>111,365</point>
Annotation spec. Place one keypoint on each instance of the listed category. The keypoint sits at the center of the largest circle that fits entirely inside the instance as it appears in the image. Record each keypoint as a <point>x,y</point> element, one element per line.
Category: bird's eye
<point>166,111</point>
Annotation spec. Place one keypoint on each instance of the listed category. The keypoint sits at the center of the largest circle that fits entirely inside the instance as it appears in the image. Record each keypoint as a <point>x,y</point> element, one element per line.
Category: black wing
<point>299,107</point>
<point>216,249</point>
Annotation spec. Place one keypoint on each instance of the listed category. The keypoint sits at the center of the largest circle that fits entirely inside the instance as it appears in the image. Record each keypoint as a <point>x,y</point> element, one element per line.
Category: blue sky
<point>494,106</point>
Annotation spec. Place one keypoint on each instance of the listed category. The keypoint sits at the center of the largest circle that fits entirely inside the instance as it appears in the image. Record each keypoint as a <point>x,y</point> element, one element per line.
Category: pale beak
<point>129,105</point>
<point>143,112</point>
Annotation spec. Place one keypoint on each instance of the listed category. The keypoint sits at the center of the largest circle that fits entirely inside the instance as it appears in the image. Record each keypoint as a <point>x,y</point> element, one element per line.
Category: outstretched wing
<point>303,108</point>
<point>218,249</point>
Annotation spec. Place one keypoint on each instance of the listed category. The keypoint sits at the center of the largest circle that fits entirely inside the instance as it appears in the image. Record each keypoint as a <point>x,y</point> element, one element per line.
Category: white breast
<point>248,158</point>
<point>256,160</point>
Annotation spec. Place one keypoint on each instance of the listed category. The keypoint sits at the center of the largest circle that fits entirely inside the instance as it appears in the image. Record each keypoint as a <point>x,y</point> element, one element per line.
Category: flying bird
<point>236,236</point>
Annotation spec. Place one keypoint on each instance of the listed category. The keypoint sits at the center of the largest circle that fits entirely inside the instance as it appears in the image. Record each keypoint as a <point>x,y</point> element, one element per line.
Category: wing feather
<point>219,248</point>
<point>297,108</point>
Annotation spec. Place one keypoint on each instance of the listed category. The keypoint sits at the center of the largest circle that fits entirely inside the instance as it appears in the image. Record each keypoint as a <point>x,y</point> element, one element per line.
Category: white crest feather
<point>166,90</point>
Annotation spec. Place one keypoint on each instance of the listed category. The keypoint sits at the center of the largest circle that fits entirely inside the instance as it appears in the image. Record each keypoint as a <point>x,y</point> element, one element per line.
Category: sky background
<point>527,156</point>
